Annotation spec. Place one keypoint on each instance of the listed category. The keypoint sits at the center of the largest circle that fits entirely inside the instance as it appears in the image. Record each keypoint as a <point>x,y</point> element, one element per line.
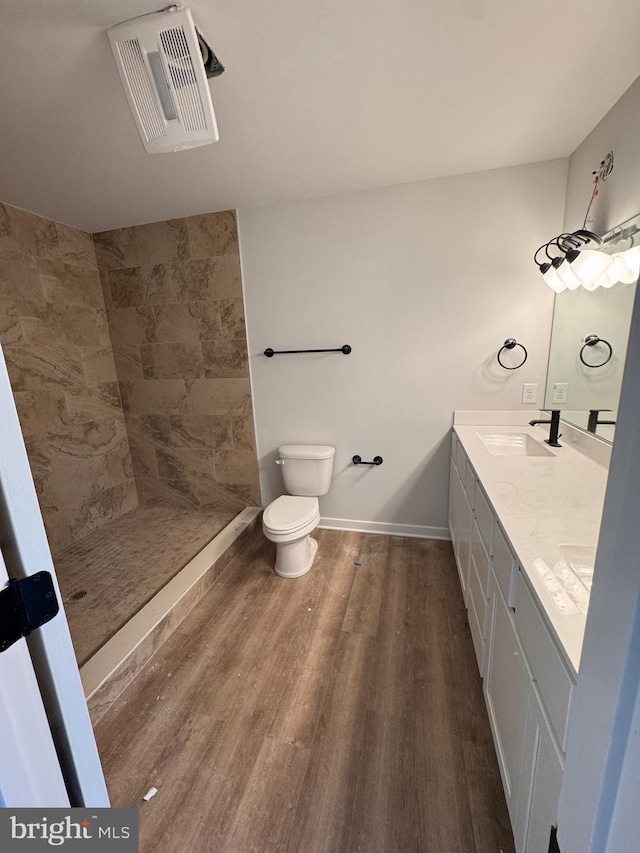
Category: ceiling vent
<point>163,63</point>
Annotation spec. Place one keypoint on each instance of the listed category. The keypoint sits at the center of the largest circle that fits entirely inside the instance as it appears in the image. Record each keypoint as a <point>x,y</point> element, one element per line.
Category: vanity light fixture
<point>580,263</point>
<point>588,265</point>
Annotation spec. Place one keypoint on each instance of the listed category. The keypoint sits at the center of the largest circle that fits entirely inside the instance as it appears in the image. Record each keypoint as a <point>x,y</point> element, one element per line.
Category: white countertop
<point>544,504</point>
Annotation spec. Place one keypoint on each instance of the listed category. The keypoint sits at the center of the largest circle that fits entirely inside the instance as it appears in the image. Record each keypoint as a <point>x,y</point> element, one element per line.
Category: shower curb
<point>113,667</point>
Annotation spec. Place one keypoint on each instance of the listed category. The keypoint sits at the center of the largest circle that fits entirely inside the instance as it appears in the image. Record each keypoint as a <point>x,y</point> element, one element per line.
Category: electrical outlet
<point>530,392</point>
<point>560,392</point>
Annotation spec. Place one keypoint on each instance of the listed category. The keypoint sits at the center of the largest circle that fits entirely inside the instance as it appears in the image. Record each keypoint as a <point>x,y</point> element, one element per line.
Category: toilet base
<point>294,559</point>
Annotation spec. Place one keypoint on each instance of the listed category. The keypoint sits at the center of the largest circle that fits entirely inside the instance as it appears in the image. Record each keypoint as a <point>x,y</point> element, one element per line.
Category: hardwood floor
<point>334,713</point>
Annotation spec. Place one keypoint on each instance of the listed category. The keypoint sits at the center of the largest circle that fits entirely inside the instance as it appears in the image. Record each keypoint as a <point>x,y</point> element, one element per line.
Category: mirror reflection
<point>589,342</point>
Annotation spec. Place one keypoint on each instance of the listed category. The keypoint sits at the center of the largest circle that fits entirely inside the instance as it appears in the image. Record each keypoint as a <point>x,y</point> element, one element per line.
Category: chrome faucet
<point>554,426</point>
<point>594,420</point>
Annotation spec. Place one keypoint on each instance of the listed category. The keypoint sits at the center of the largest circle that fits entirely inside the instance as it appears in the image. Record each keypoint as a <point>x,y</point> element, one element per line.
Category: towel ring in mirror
<point>591,341</point>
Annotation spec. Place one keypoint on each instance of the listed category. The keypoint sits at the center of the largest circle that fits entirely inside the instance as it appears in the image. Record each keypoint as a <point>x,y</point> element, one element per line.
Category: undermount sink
<point>513,444</point>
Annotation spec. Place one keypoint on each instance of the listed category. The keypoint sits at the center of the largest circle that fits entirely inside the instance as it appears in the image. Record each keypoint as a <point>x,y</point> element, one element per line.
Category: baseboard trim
<point>384,528</point>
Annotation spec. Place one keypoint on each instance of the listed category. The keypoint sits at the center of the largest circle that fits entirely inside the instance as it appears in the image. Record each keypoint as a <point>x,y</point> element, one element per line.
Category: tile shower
<point>127,356</point>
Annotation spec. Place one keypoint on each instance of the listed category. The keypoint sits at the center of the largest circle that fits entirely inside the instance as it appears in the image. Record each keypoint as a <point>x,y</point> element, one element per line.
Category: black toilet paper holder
<point>358,460</point>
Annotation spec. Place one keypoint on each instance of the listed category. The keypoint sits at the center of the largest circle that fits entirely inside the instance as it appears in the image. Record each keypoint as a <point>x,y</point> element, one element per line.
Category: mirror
<point>589,343</point>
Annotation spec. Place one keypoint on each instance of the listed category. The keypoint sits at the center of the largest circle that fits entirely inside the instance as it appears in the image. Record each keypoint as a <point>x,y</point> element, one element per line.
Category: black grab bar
<point>346,349</point>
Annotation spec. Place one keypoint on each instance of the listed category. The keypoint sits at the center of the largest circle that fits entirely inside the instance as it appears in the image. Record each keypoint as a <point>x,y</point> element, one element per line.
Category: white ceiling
<point>319,97</point>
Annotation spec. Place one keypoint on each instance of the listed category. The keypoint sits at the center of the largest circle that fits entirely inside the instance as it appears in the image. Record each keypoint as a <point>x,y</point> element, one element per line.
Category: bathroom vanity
<point>524,521</point>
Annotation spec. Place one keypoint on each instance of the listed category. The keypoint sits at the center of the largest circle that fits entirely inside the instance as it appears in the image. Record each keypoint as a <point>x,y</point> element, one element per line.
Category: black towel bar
<point>357,460</point>
<point>345,349</point>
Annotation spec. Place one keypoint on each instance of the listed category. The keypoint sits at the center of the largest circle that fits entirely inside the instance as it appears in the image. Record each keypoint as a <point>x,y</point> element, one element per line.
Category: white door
<point>30,773</point>
<point>47,709</point>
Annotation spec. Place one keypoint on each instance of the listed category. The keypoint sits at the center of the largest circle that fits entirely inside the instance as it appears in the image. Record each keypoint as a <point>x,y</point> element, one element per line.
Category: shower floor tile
<point>107,576</point>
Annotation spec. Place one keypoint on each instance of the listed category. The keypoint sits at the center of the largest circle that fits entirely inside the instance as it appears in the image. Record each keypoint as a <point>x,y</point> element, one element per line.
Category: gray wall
<point>425,281</point>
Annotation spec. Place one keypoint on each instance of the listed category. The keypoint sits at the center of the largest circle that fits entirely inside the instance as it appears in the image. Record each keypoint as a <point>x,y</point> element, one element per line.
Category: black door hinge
<point>25,605</point>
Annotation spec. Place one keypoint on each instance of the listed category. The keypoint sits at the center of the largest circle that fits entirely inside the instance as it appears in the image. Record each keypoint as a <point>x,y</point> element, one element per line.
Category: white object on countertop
<point>574,585</point>
<point>558,593</point>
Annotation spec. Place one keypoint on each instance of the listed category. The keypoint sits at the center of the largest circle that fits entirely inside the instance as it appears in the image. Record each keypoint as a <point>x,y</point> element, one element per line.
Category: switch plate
<point>560,392</point>
<point>530,392</point>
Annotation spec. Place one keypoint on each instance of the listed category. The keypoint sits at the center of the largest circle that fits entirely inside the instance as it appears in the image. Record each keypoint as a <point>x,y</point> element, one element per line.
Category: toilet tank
<point>307,468</point>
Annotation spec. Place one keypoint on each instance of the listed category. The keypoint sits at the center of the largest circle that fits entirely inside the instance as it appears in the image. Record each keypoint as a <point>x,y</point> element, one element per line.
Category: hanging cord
<point>596,181</point>
<point>606,167</point>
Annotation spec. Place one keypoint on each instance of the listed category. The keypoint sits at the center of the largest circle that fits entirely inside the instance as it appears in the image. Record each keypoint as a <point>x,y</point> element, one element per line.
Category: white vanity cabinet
<point>460,512</point>
<point>464,543</point>
<point>528,686</point>
<point>455,493</point>
<point>506,689</point>
<point>540,780</point>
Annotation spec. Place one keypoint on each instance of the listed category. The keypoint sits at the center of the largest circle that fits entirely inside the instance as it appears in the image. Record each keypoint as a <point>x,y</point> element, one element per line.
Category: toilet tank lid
<point>306,451</point>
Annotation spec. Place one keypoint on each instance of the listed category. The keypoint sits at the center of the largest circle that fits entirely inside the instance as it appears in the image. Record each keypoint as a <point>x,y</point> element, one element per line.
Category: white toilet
<point>288,521</point>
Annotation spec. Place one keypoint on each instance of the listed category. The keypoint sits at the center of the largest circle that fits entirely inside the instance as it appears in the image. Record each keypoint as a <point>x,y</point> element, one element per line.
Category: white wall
<point>619,197</point>
<point>425,281</point>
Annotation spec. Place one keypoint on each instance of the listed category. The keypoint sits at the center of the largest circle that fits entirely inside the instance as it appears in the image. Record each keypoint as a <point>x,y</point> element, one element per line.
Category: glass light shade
<point>552,279</point>
<point>589,265</point>
<point>606,280</point>
<point>619,271</point>
<point>593,285</point>
<point>616,270</point>
<point>632,259</point>
<point>567,275</point>
<point>629,276</point>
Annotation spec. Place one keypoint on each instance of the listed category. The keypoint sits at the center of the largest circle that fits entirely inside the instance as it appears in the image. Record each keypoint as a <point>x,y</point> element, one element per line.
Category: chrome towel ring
<point>511,343</point>
<point>591,341</point>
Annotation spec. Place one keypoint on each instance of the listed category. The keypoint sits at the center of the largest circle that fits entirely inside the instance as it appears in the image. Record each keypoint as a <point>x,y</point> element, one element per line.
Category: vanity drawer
<point>480,559</point>
<point>484,518</point>
<point>504,566</point>
<point>454,448</point>
<point>470,484</point>
<point>460,458</point>
<point>478,594</point>
<point>555,683</point>
<point>476,624</point>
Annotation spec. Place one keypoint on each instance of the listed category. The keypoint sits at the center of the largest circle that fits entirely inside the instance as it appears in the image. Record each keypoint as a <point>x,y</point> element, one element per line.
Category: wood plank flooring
<point>334,713</point>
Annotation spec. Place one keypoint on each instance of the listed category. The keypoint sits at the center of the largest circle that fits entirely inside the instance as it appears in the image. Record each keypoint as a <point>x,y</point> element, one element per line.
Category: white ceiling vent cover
<point>161,69</point>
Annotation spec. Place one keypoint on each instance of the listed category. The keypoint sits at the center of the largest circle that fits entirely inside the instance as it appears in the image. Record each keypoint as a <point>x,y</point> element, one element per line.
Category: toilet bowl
<point>289,519</point>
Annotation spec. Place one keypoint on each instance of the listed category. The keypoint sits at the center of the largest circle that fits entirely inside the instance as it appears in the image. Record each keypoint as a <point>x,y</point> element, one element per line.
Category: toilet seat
<point>290,514</point>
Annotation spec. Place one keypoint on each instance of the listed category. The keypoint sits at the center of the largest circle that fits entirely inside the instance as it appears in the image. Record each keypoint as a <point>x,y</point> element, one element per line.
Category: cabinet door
<point>507,688</point>
<point>541,778</point>
<point>463,550</point>
<point>455,492</point>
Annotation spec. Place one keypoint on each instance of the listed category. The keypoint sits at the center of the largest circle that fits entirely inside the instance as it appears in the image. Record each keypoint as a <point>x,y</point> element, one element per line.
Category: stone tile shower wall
<point>174,299</point>
<point>55,337</point>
